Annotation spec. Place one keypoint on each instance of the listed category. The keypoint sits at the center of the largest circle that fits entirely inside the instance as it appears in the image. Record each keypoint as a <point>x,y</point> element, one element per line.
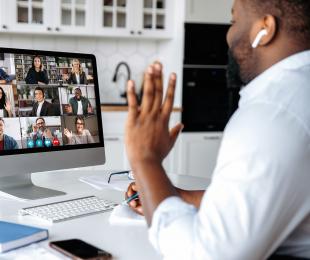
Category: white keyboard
<point>69,209</point>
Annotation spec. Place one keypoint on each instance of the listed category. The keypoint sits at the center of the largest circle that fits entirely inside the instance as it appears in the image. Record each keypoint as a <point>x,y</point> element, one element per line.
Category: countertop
<point>116,108</point>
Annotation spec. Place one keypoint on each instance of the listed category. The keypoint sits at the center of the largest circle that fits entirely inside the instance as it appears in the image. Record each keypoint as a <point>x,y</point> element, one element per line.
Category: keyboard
<point>69,209</point>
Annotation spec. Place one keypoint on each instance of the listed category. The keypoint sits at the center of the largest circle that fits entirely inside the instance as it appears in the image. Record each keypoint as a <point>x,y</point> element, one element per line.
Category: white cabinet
<point>73,17</point>
<point>208,11</point>
<point>25,15</point>
<point>119,18</point>
<point>49,16</point>
<point>140,18</point>
<point>115,153</point>
<point>198,154</point>
<point>113,124</point>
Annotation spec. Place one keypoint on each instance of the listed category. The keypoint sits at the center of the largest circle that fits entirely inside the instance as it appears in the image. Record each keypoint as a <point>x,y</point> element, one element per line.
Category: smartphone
<point>80,250</point>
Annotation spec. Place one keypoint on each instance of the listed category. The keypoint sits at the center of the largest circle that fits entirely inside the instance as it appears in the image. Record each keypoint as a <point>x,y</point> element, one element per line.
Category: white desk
<point>129,242</point>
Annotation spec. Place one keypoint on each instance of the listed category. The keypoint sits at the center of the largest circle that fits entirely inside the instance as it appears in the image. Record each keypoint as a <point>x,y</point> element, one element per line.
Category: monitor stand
<point>21,186</point>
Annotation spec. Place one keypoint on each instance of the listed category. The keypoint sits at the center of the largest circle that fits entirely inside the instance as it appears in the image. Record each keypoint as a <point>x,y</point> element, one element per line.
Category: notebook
<point>123,215</point>
<point>16,235</point>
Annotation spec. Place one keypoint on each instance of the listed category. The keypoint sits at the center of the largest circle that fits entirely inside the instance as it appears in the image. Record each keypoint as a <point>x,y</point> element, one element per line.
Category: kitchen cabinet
<point>113,124</point>
<point>68,17</point>
<point>140,18</point>
<point>118,18</point>
<point>211,11</point>
<point>198,154</point>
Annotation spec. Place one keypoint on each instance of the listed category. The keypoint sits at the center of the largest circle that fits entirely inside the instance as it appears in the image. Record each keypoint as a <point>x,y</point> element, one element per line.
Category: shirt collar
<point>261,82</point>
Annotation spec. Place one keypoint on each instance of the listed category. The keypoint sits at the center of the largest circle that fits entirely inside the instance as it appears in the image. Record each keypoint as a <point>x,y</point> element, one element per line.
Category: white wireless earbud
<point>259,36</point>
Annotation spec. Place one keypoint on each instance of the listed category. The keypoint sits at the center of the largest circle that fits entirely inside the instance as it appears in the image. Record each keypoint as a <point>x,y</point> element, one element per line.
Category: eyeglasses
<point>127,173</point>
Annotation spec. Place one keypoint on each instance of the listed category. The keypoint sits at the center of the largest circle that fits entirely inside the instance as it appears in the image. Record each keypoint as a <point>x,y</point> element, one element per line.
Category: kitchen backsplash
<point>109,52</point>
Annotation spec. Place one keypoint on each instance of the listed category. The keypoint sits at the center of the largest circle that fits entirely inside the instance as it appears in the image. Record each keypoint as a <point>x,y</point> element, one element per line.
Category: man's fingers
<point>148,92</point>
<point>133,203</point>
<point>169,99</point>
<point>158,81</point>
<point>175,131</point>
<point>132,102</point>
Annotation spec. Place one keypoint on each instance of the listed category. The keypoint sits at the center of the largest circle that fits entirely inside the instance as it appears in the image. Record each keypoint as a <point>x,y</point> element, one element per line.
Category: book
<point>14,235</point>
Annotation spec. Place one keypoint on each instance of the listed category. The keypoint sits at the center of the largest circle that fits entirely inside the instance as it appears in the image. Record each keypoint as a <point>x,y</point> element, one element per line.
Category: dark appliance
<point>207,102</point>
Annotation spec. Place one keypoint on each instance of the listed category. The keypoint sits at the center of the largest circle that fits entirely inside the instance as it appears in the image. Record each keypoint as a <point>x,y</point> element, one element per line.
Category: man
<point>41,132</point>
<point>258,203</point>
<point>41,107</point>
<point>79,105</point>
<point>4,77</point>
<point>6,142</point>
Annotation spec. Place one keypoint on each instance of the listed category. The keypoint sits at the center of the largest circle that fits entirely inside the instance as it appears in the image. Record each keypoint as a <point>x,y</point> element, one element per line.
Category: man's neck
<point>41,102</point>
<point>1,137</point>
<point>278,53</point>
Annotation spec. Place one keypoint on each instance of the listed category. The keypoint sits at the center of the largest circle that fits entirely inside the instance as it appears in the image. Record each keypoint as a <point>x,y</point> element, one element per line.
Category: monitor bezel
<point>98,104</point>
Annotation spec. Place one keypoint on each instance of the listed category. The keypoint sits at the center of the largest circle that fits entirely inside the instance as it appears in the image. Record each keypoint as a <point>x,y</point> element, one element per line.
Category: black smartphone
<point>78,250</point>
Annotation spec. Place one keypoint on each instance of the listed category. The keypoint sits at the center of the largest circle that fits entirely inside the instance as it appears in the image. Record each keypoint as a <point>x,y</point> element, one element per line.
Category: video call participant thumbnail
<point>5,78</point>
<point>41,136</point>
<point>81,135</point>
<point>6,142</point>
<point>79,105</point>
<point>5,105</point>
<point>37,74</point>
<point>77,75</point>
<point>41,107</point>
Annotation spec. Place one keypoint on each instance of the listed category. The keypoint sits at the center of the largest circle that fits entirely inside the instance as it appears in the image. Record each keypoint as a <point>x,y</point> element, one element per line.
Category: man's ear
<point>269,26</point>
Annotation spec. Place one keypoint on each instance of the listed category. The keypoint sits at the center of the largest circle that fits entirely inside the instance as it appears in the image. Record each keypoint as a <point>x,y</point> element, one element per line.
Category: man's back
<point>266,147</point>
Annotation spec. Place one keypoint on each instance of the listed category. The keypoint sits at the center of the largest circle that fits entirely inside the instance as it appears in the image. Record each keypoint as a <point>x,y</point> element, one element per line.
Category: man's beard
<point>233,72</point>
<point>242,63</point>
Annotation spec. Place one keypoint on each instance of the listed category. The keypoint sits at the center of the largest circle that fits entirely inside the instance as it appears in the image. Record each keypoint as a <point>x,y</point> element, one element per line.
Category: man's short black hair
<point>40,89</point>
<point>1,119</point>
<point>293,16</point>
<point>41,119</point>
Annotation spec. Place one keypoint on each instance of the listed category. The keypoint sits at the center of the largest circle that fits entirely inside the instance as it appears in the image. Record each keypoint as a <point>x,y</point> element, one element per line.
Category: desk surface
<point>123,242</point>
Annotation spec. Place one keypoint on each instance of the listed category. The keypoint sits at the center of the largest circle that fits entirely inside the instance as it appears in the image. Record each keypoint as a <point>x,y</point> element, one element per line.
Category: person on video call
<point>41,107</point>
<point>258,203</point>
<point>6,142</point>
<point>77,75</point>
<point>5,105</point>
<point>40,131</point>
<point>81,135</point>
<point>37,74</point>
<point>5,78</point>
<point>79,105</point>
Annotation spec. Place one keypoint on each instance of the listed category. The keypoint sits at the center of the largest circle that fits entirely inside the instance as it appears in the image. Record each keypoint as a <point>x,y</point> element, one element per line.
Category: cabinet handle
<point>139,32</point>
<point>132,32</point>
<point>4,27</point>
<point>113,139</point>
<point>211,138</point>
<point>57,29</point>
<point>49,28</point>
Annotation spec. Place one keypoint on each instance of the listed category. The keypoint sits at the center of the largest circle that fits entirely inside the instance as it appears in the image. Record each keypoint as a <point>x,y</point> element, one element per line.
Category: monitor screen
<point>50,117</point>
<point>49,101</point>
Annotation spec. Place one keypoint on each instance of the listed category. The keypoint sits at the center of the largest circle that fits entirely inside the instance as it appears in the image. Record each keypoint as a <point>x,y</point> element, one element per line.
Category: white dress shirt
<point>40,104</point>
<point>259,199</point>
<point>80,108</point>
<point>77,75</point>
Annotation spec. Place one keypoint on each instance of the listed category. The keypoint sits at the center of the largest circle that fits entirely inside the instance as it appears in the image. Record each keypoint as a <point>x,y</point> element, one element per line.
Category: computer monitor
<point>50,117</point>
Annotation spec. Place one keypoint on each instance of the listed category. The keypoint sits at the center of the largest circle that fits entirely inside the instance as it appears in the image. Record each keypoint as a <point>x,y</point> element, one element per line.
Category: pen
<point>131,198</point>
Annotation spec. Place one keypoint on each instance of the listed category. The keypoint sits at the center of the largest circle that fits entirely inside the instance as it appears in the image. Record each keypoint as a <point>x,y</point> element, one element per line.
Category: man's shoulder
<point>9,138</point>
